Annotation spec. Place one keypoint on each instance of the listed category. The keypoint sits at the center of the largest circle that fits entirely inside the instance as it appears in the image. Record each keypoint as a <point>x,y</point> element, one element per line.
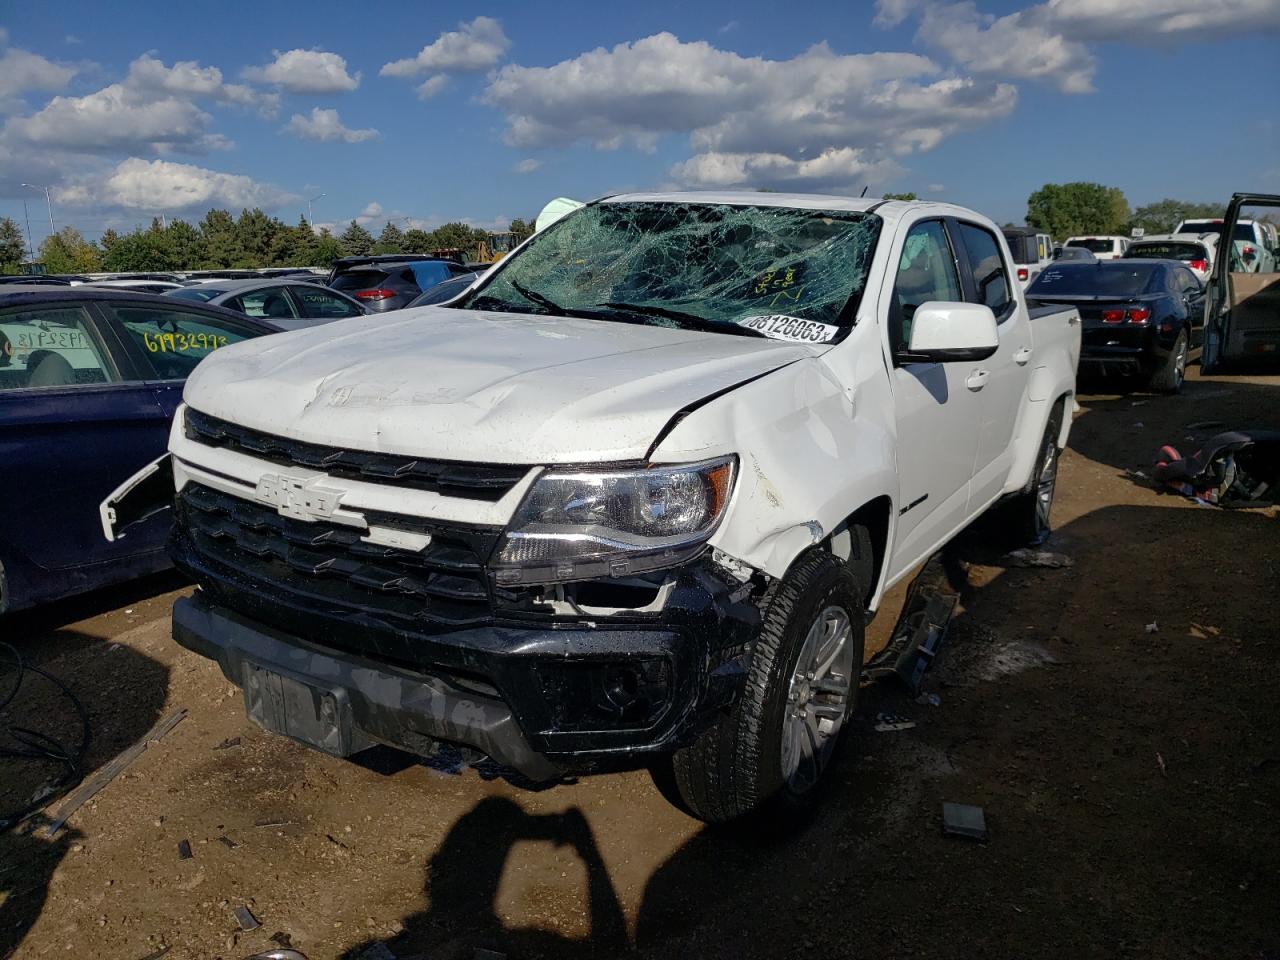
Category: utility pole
<point>310,221</point>
<point>31,251</point>
<point>48,202</point>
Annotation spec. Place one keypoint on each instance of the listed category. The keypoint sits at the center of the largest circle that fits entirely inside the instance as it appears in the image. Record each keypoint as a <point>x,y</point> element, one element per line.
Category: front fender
<point>811,451</point>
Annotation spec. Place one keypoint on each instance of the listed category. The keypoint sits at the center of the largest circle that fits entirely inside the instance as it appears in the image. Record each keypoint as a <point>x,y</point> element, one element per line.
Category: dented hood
<point>475,386</point>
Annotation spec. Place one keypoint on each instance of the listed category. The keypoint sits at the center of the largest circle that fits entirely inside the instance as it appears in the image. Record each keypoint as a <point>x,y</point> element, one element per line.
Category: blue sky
<point>438,112</point>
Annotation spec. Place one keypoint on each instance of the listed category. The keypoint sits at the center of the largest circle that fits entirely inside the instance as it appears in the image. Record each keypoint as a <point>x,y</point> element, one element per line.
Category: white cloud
<point>528,165</point>
<point>748,118</point>
<point>116,119</point>
<point>149,76</point>
<point>305,71</point>
<point>325,125</point>
<point>474,46</point>
<point>137,184</point>
<point>21,70</point>
<point>936,187</point>
<point>1022,44</point>
<point>432,85</point>
<point>1049,41</point>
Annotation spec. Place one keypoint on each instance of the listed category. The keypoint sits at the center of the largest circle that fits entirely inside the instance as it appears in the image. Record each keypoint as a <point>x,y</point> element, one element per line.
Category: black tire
<point>1024,520</point>
<point>735,767</point>
<point>1172,373</point>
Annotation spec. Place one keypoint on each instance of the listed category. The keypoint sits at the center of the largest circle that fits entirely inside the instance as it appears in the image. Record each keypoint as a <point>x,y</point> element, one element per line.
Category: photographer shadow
<point>462,884</point>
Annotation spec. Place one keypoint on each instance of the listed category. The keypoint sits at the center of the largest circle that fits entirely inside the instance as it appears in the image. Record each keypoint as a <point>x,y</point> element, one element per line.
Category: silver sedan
<point>288,304</point>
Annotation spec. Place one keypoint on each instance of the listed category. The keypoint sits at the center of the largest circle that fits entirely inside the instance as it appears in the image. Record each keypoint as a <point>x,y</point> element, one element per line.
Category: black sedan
<point>1141,317</point>
<point>89,381</point>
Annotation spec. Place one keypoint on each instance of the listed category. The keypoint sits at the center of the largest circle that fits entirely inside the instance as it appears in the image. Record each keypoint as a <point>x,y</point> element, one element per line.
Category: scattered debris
<point>110,771</point>
<point>272,823</point>
<point>921,628</point>
<point>1139,424</point>
<point>244,916</point>
<point>284,954</point>
<point>1153,627</point>
<point>929,699</point>
<point>227,842</point>
<point>1235,469</point>
<point>184,850</point>
<point>964,820</point>
<point>1026,557</point>
<point>1139,403</point>
<point>889,722</point>
<point>1160,763</point>
<point>228,743</point>
<point>1205,425</point>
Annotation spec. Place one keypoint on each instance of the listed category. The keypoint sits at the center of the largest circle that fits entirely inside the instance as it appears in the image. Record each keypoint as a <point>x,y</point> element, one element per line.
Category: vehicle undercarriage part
<point>920,630</point>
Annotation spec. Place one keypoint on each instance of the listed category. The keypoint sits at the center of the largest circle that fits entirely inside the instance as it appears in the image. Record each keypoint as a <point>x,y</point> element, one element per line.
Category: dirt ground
<point>1130,778</point>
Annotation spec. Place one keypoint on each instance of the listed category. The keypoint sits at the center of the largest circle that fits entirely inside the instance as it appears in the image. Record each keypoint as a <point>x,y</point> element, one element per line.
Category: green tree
<point>218,230</point>
<point>900,196</point>
<point>416,241</point>
<point>140,250</point>
<point>523,229</point>
<point>67,251</point>
<point>456,235</point>
<point>391,240</point>
<point>185,246</point>
<point>1070,209</point>
<point>328,249</point>
<point>1163,215</point>
<point>356,240</point>
<point>261,240</point>
<point>301,250</point>
<point>12,246</point>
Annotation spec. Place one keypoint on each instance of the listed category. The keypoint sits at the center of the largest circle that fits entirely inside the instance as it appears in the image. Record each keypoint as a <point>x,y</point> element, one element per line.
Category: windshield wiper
<point>681,317</point>
<point>533,296</point>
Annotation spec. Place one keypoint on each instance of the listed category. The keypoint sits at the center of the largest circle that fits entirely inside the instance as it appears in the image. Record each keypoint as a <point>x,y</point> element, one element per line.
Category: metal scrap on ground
<point>1037,558</point>
<point>964,820</point>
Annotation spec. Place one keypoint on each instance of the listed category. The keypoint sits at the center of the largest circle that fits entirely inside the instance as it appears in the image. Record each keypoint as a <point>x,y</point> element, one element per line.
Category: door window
<point>174,341</point>
<point>271,303</point>
<point>990,275</point>
<point>926,271</point>
<point>319,304</point>
<point>50,347</point>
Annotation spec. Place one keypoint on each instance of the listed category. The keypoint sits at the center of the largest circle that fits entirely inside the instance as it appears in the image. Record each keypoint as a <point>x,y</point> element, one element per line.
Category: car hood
<point>477,386</point>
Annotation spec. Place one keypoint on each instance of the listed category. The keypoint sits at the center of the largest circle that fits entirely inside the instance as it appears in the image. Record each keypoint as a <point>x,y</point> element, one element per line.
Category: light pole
<point>311,222</point>
<point>49,202</point>
<point>31,251</point>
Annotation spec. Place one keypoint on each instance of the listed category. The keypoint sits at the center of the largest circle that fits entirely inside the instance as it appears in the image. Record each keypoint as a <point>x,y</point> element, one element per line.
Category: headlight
<point>577,526</point>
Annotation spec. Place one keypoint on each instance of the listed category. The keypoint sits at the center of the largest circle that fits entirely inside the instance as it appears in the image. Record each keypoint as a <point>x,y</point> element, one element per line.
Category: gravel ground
<point>1130,779</point>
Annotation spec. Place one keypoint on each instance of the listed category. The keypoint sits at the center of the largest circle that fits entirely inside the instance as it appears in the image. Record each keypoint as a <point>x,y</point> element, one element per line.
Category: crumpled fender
<point>810,449</point>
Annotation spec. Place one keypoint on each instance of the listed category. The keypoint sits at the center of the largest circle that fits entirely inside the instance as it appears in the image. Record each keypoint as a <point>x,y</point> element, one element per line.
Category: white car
<point>1103,247</point>
<point>1196,251</point>
<point>1032,251</point>
<point>630,496</point>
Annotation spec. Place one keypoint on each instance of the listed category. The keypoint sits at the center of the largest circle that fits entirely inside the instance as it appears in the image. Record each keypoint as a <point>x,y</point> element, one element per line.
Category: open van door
<point>143,495</point>
<point>1242,308</point>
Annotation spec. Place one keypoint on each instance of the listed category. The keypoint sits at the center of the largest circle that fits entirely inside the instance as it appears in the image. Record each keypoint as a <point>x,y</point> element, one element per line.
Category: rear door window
<point>172,341</point>
<point>990,275</point>
<point>270,303</point>
<point>319,304</point>
<point>51,347</point>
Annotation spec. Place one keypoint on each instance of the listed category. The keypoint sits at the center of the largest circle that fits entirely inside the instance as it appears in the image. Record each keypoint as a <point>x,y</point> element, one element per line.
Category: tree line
<point>1076,209</point>
<point>223,241</point>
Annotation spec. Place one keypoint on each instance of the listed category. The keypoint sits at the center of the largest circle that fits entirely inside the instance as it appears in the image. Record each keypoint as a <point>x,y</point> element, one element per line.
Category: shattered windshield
<point>758,271</point>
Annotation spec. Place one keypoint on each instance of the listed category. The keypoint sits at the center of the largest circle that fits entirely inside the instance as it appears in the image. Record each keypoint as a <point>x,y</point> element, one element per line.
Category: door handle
<point>1023,356</point>
<point>976,380</point>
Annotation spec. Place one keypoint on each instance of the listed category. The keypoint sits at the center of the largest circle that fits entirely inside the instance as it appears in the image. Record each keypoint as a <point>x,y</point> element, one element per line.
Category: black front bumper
<point>542,697</point>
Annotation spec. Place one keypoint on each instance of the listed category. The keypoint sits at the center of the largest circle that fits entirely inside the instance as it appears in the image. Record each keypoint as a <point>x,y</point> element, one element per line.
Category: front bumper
<point>542,698</point>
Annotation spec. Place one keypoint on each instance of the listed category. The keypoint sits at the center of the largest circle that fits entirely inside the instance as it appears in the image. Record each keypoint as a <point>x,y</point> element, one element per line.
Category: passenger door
<point>167,343</point>
<point>75,417</point>
<point>936,405</point>
<point>986,278</point>
<point>1242,312</point>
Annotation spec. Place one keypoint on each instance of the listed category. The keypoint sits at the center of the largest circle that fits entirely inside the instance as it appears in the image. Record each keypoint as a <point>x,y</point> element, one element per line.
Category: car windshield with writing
<point>1168,250</point>
<point>1112,278</point>
<point>778,272</point>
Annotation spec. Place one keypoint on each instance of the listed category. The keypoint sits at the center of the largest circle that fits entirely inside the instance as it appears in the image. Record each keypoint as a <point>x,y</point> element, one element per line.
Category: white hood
<point>481,387</point>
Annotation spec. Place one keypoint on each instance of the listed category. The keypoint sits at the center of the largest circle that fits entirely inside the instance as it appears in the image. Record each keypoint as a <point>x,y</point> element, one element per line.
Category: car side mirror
<point>942,332</point>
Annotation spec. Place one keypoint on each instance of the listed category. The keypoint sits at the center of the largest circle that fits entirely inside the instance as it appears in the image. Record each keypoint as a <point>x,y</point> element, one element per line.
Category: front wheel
<point>1169,378</point>
<point>778,743</point>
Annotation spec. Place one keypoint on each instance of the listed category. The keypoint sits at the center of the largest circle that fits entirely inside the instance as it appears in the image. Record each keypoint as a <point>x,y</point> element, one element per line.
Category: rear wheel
<point>1169,378</point>
<point>1023,520</point>
<point>778,743</point>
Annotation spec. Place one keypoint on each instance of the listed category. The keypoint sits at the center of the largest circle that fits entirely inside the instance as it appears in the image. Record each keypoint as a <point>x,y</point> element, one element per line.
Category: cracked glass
<point>691,265</point>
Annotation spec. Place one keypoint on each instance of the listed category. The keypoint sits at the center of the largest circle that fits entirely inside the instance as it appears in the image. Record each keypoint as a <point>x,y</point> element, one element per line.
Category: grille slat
<point>473,481</point>
<point>444,583</point>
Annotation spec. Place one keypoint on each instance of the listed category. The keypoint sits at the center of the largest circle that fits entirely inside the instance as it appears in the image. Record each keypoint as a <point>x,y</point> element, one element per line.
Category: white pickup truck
<point>631,497</point>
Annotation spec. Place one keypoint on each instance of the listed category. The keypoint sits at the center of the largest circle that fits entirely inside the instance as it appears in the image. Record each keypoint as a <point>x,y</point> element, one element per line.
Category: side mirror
<point>942,332</point>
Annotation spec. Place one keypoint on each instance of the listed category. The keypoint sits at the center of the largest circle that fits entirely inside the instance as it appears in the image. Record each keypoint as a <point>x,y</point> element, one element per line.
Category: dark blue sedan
<point>89,381</point>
